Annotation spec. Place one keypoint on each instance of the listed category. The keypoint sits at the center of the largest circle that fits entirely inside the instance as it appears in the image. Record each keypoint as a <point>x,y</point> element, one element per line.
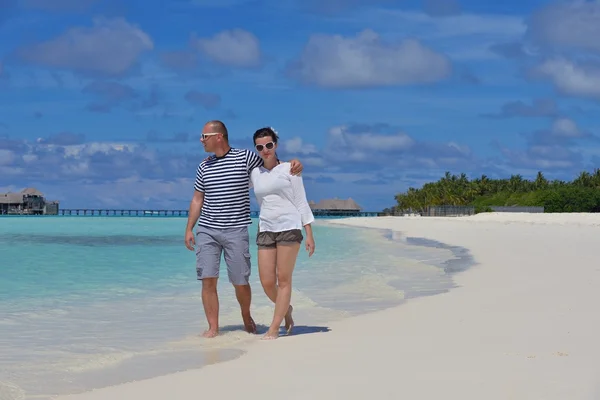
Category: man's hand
<point>296,167</point>
<point>193,215</point>
<point>190,242</point>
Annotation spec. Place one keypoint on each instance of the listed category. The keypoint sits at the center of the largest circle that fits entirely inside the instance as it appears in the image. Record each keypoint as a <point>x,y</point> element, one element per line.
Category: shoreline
<point>518,325</point>
<point>359,285</point>
<point>462,255</point>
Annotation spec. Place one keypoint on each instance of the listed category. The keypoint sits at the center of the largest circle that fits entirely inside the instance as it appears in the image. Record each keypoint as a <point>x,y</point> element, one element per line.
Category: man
<point>221,207</point>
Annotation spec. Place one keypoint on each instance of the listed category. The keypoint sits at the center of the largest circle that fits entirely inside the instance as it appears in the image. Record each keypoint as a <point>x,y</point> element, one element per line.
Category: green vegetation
<point>580,195</point>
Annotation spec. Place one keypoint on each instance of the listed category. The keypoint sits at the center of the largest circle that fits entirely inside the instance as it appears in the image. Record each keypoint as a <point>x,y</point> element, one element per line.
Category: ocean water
<point>87,302</point>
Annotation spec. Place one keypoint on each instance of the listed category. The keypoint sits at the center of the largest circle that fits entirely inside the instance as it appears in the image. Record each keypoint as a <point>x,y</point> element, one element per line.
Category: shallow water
<point>87,302</point>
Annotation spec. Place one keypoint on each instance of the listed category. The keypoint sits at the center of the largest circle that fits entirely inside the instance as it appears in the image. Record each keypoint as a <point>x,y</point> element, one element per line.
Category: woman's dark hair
<point>265,132</point>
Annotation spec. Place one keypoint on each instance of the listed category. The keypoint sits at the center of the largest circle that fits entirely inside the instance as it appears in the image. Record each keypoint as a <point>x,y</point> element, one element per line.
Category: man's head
<point>214,136</point>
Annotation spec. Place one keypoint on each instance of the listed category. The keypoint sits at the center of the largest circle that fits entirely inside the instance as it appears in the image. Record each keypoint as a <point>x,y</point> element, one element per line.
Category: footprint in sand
<point>11,391</point>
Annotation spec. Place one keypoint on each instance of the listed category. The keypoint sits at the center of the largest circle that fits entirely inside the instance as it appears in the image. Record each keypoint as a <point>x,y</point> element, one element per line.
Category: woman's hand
<point>310,245</point>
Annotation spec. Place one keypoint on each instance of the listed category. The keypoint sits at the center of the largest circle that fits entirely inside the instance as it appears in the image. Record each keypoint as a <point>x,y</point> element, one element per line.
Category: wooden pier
<point>184,213</point>
<point>123,213</point>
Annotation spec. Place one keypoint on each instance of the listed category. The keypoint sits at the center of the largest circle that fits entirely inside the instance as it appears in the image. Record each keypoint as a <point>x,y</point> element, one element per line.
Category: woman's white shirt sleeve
<point>300,201</point>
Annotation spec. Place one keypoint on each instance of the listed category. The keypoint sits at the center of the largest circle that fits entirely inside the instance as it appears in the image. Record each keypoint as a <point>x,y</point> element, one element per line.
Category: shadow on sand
<point>262,329</point>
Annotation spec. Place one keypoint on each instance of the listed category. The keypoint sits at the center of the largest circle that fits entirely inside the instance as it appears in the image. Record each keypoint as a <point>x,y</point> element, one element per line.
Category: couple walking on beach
<point>220,208</point>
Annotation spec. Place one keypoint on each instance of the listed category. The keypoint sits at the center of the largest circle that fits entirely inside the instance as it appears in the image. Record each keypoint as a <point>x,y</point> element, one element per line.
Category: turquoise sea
<point>87,302</point>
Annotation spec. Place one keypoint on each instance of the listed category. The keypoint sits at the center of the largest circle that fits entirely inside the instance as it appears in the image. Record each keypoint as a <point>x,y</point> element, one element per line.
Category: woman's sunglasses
<point>269,146</point>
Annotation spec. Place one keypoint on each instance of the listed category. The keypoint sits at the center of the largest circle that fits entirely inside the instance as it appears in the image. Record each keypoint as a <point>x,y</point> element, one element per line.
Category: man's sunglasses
<point>206,135</point>
<point>269,146</point>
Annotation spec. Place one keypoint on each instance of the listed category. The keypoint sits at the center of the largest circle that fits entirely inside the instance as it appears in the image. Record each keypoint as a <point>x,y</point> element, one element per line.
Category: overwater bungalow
<point>29,201</point>
<point>335,206</point>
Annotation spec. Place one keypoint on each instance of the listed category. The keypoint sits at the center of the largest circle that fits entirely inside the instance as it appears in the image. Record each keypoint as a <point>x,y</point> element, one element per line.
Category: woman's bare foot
<point>210,333</point>
<point>289,321</point>
<point>270,335</point>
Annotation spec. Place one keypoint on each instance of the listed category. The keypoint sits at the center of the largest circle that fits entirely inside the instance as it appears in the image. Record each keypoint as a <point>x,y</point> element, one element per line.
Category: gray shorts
<point>234,243</point>
<point>271,239</point>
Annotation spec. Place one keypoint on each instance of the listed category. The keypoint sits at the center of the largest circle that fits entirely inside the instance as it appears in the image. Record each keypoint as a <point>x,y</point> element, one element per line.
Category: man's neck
<point>222,151</point>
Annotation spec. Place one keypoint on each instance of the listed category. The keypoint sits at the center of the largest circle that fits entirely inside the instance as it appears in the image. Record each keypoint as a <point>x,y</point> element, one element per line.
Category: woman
<point>283,212</point>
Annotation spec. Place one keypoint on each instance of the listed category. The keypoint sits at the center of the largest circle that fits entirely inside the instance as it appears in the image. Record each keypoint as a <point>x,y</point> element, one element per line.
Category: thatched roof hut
<point>32,192</point>
<point>335,205</point>
<point>19,198</point>
<point>11,198</point>
<point>29,201</point>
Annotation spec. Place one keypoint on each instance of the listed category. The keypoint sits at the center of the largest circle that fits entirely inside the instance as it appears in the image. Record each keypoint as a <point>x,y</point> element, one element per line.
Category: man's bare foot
<point>210,333</point>
<point>289,321</point>
<point>270,335</point>
<point>249,324</point>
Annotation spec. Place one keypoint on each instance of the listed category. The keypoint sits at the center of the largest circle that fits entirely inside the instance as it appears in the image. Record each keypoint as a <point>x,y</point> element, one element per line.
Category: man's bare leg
<point>244,297</point>
<point>210,301</point>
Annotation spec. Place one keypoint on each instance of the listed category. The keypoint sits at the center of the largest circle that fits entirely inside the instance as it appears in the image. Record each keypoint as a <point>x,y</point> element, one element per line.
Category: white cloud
<point>365,60</point>
<point>172,194</point>
<point>570,78</point>
<point>346,144</point>
<point>553,148</point>
<point>55,163</point>
<point>29,158</point>
<point>368,141</point>
<point>10,171</point>
<point>563,28</point>
<point>543,156</point>
<point>314,162</point>
<point>79,169</point>
<point>236,47</point>
<point>461,36</point>
<point>460,149</point>
<point>110,47</point>
<point>567,24</point>
<point>565,127</point>
<point>6,157</point>
<point>377,148</point>
<point>297,146</point>
<point>479,25</point>
<point>88,149</point>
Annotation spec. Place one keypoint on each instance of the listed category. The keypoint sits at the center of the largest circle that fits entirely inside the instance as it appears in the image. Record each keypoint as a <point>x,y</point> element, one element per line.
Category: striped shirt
<point>225,182</point>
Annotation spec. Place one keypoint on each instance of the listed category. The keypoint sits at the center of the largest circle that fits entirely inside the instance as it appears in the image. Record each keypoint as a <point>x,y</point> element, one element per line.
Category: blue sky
<point>102,101</point>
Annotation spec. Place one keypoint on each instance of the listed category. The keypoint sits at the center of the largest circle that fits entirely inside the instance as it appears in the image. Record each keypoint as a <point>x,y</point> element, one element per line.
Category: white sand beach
<point>522,324</point>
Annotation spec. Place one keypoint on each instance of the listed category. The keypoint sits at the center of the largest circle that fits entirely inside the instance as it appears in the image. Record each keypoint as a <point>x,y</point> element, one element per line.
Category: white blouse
<point>282,199</point>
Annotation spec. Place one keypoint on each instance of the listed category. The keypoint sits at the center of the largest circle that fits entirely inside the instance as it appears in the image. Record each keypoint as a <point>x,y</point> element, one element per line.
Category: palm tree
<point>584,179</point>
<point>540,181</point>
<point>458,190</point>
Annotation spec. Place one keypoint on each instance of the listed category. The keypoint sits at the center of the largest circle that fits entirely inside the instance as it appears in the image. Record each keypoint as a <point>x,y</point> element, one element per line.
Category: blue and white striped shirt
<point>225,182</point>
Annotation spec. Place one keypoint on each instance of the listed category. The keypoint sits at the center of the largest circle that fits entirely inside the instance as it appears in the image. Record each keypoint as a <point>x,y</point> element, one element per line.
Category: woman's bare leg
<point>267,270</point>
<point>286,261</point>
<point>267,264</point>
